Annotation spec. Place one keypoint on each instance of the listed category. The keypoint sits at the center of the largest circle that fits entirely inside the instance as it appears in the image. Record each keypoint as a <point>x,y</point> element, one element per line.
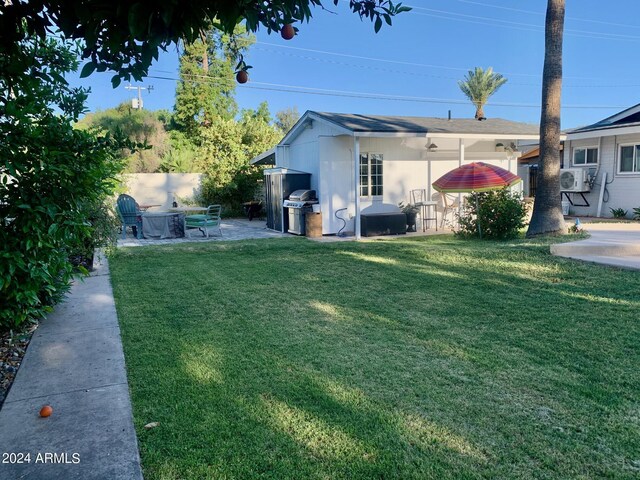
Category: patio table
<point>144,208</point>
<point>187,210</point>
<point>162,225</point>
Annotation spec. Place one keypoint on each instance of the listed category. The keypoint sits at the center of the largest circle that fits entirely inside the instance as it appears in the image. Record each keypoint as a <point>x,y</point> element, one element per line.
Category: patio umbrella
<point>475,177</point>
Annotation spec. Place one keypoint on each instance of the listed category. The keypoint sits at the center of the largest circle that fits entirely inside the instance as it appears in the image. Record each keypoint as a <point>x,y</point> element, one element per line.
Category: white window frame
<point>586,149</point>
<point>636,160</point>
<point>369,185</point>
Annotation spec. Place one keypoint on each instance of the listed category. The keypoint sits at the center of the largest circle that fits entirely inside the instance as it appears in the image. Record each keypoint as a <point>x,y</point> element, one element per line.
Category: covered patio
<point>369,164</point>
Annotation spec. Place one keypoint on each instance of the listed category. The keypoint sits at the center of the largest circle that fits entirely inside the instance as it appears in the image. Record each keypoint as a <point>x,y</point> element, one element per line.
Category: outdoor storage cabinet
<point>279,184</point>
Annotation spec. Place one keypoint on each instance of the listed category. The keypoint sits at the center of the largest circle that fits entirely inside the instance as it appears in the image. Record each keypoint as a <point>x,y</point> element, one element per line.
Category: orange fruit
<point>242,76</point>
<point>46,411</point>
<point>287,32</point>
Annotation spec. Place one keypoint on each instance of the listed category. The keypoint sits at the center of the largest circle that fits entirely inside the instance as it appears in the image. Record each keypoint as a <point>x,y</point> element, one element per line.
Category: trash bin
<point>565,207</point>
<point>314,224</point>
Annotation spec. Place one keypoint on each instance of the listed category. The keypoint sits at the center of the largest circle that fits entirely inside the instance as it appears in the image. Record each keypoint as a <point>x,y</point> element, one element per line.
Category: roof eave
<point>604,131</point>
<point>305,121</point>
<point>519,136</point>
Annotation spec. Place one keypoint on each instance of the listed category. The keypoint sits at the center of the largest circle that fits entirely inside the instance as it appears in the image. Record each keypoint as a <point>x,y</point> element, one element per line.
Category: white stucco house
<point>371,163</point>
<point>609,154</point>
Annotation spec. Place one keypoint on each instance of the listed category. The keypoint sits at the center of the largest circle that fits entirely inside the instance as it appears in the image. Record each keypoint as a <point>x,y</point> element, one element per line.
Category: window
<point>585,156</point>
<point>370,175</point>
<point>629,159</point>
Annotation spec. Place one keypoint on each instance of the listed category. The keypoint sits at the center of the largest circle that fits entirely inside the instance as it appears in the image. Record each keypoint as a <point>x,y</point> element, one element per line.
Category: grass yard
<point>409,358</point>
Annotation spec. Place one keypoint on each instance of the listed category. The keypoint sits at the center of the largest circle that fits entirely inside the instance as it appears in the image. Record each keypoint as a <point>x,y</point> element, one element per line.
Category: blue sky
<point>412,68</point>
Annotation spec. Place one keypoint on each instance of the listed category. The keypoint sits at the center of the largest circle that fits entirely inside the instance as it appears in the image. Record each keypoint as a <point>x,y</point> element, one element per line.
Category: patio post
<point>460,162</point>
<point>428,170</point>
<point>356,169</point>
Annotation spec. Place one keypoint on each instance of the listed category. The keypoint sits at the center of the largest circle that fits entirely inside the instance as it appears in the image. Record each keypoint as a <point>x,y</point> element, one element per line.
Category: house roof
<point>535,153</point>
<point>426,125</point>
<point>628,117</point>
<point>265,158</point>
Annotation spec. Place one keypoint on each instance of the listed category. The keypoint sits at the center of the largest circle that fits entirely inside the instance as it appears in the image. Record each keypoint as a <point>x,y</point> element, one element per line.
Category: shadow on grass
<point>404,359</point>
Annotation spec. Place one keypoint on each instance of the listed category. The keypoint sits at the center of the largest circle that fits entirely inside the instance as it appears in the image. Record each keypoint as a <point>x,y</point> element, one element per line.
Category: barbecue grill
<point>299,203</point>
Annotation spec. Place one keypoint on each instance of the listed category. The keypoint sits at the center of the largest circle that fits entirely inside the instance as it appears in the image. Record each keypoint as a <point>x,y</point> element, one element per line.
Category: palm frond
<point>479,84</point>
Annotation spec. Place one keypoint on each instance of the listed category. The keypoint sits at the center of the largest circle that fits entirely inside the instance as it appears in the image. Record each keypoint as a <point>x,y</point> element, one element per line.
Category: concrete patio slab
<point>74,363</point>
<point>615,244</point>
<point>631,262</point>
<point>232,229</point>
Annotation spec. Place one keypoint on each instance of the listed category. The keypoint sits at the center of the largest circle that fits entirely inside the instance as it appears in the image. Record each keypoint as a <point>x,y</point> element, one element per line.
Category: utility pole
<point>137,102</point>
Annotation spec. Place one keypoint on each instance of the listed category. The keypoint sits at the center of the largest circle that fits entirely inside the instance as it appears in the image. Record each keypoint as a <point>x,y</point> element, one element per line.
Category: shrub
<point>636,213</point>
<point>226,147</point>
<point>619,212</point>
<point>51,178</point>
<point>501,214</point>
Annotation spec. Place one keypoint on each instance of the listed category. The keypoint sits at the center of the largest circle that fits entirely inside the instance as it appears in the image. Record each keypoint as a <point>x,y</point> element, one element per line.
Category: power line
<point>397,62</point>
<point>382,96</point>
<point>533,12</point>
<point>418,74</point>
<point>415,64</point>
<point>449,15</point>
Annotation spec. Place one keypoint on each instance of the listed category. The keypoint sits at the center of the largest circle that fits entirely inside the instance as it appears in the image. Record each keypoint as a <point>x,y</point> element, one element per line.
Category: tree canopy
<point>141,127</point>
<point>206,84</point>
<point>126,37</point>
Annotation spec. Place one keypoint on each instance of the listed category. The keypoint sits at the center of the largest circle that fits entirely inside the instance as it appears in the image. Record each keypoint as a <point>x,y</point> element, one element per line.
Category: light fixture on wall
<point>432,147</point>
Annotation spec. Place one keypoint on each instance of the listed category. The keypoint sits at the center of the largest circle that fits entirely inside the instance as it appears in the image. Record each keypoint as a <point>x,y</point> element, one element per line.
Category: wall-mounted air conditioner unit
<point>574,180</point>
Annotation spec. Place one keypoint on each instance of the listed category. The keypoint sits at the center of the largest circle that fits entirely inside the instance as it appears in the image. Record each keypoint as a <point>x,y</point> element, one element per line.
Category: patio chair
<point>448,205</point>
<point>204,221</point>
<point>130,215</point>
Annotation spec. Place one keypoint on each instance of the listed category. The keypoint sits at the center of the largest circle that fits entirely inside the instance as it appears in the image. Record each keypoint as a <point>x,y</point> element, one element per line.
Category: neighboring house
<point>369,163</point>
<point>610,152</point>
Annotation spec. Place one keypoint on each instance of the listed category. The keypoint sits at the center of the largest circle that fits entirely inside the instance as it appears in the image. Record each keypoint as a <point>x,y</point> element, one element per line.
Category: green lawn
<point>408,358</point>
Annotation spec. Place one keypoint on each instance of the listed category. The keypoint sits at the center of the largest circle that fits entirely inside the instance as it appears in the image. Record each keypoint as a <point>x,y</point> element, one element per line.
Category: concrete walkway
<point>74,363</point>
<point>615,244</point>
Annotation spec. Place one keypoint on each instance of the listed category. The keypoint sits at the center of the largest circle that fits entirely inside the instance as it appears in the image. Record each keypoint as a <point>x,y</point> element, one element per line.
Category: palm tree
<point>478,85</point>
<point>547,209</point>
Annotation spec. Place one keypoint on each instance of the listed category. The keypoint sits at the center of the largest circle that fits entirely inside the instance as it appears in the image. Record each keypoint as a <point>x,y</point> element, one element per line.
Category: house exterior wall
<point>336,183</point>
<point>622,189</point>
<point>327,153</point>
<point>406,166</point>
<point>303,152</point>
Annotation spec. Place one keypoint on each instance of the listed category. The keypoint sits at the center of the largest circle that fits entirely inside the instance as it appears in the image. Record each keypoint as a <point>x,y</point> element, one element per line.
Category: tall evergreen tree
<point>207,82</point>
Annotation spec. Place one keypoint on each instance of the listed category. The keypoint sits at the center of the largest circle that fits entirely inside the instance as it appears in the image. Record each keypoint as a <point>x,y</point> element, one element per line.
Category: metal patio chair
<point>204,221</point>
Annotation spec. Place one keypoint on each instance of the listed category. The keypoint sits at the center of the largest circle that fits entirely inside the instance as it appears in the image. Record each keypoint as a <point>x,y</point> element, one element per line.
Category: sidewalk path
<point>615,244</point>
<point>74,363</point>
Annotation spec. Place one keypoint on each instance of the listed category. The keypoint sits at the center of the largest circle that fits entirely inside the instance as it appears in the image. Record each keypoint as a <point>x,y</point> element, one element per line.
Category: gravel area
<point>13,346</point>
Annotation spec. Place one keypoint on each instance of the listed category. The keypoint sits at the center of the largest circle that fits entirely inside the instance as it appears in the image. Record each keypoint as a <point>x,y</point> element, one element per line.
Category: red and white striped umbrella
<point>475,177</point>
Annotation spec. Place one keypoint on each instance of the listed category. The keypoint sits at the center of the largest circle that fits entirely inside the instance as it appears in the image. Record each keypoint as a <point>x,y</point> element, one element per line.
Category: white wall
<point>303,152</point>
<point>405,168</point>
<point>336,182</point>
<point>622,190</point>
<point>159,188</point>
<point>327,154</point>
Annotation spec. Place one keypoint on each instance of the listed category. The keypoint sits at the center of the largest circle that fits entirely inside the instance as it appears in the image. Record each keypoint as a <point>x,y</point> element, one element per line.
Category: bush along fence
<point>53,183</point>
